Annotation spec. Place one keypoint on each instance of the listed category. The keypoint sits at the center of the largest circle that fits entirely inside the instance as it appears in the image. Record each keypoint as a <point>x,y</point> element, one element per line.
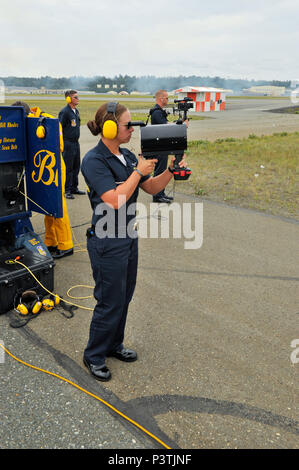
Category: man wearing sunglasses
<point>69,118</point>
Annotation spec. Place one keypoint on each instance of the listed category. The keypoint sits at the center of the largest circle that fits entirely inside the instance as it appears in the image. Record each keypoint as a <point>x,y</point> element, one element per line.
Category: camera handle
<point>180,173</point>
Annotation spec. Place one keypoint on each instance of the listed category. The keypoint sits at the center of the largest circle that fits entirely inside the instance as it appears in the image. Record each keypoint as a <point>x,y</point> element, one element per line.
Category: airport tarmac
<point>244,117</point>
<point>213,327</point>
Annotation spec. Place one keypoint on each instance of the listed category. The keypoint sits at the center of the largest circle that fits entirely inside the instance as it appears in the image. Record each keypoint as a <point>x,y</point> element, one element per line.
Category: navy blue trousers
<point>114,266</point>
<point>160,167</point>
<point>71,157</point>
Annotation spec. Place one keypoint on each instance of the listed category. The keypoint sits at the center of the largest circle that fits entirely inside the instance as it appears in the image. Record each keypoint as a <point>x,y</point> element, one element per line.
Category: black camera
<point>183,107</point>
<point>163,139</point>
<point>167,139</point>
<point>184,103</point>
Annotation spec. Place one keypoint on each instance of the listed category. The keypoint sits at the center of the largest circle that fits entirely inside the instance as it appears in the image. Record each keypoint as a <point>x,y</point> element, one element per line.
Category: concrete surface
<point>213,329</point>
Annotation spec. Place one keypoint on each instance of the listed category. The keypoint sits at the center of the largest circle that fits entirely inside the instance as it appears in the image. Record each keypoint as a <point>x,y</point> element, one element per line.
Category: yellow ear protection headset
<point>50,301</point>
<point>109,130</point>
<point>29,302</point>
<point>68,95</point>
<point>41,130</point>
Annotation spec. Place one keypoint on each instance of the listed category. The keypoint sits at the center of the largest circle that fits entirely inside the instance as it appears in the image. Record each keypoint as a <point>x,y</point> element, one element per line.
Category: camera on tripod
<point>183,106</point>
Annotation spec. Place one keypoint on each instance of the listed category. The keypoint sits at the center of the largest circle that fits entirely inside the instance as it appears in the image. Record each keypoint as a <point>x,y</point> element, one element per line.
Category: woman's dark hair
<point>22,103</point>
<point>101,116</point>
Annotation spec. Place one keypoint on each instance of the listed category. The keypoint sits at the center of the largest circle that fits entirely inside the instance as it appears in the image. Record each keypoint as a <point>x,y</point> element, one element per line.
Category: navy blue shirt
<point>103,171</point>
<point>158,115</point>
<point>70,122</point>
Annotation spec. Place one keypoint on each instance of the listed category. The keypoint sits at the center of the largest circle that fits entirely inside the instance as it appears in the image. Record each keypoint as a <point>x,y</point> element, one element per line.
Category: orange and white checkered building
<point>204,98</point>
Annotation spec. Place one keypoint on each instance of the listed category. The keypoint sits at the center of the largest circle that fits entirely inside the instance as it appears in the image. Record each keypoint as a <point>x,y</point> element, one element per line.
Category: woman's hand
<point>182,163</point>
<point>146,166</point>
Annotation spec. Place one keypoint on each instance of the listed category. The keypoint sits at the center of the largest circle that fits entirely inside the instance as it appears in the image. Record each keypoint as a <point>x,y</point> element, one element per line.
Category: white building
<point>204,98</point>
<point>266,90</point>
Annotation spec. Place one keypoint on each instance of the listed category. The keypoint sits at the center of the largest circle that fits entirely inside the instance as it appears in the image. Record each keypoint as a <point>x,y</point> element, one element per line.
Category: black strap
<point>111,107</point>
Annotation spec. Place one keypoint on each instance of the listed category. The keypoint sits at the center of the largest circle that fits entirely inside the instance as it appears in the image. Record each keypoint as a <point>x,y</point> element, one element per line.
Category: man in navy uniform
<point>69,118</point>
<point>159,116</point>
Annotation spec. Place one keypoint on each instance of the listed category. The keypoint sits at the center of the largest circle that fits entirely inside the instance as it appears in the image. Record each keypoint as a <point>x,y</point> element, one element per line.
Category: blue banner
<point>12,134</point>
<point>43,168</point>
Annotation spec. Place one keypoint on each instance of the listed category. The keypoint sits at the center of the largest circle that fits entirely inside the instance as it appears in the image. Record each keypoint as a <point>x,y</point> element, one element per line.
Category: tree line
<point>147,83</point>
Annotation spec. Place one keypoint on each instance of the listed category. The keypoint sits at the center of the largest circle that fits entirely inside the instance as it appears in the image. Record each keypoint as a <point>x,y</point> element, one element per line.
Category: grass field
<point>257,172</point>
<point>88,107</point>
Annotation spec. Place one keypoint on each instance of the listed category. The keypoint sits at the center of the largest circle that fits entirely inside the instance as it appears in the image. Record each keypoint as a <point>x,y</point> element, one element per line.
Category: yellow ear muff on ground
<point>29,303</point>
<point>23,309</point>
<point>68,99</point>
<point>36,307</point>
<point>109,129</point>
<point>48,304</point>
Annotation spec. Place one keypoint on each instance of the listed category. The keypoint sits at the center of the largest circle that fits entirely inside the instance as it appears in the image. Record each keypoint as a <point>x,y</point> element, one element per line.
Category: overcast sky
<point>238,39</point>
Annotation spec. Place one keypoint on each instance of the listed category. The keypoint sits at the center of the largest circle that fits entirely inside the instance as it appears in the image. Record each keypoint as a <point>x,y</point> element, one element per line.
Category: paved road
<point>213,328</point>
<point>244,117</point>
<point>241,118</point>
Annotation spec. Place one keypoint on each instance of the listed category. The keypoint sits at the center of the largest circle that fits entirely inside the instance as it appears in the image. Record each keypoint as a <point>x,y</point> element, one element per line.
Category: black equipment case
<point>15,279</point>
<point>22,174</point>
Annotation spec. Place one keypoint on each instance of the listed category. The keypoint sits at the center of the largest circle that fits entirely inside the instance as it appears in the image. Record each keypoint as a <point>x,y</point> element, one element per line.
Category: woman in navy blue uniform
<point>113,176</point>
